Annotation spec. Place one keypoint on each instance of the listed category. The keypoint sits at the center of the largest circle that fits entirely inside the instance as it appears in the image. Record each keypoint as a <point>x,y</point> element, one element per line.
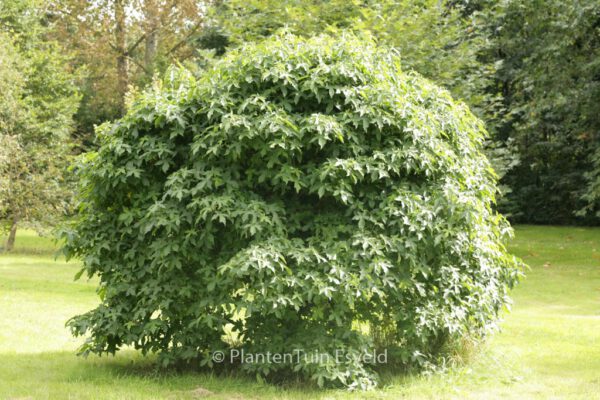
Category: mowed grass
<point>549,347</point>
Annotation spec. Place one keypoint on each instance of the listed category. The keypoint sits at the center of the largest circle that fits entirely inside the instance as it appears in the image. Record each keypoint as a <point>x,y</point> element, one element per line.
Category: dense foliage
<point>547,74</point>
<point>532,76</point>
<point>303,194</point>
<point>437,39</point>
<point>528,69</point>
<point>37,101</point>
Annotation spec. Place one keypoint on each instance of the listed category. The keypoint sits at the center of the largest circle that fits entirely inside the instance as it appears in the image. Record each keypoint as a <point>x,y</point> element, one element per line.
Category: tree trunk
<point>10,242</point>
<point>151,14</point>
<point>122,61</point>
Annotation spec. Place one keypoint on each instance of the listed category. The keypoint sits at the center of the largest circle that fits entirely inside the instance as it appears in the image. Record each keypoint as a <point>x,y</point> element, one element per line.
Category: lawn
<point>549,346</point>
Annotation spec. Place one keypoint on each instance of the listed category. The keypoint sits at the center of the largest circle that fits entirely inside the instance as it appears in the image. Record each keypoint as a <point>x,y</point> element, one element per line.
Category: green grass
<point>30,243</point>
<point>549,346</point>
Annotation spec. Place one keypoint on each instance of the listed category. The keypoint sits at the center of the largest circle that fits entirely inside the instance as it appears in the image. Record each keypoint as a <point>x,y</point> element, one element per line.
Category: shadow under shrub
<point>302,195</point>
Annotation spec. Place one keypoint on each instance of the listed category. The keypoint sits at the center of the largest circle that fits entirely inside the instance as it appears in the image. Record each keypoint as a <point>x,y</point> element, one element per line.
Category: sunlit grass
<point>31,243</point>
<point>549,346</point>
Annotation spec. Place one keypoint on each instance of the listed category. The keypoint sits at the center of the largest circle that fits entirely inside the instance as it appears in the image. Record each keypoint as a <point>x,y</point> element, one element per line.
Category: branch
<point>182,41</point>
<point>131,48</point>
<point>115,48</point>
<point>137,42</point>
<point>138,64</point>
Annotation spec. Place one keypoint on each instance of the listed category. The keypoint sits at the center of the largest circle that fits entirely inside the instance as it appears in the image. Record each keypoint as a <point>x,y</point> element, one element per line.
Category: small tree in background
<point>303,195</point>
<point>36,109</point>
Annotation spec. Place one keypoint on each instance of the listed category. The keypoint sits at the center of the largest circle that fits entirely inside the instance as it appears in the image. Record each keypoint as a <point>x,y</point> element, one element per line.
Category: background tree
<point>123,43</point>
<point>37,104</point>
<point>548,78</point>
<point>12,116</point>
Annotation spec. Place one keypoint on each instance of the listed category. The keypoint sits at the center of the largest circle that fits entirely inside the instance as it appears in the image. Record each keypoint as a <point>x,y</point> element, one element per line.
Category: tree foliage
<point>434,38</point>
<point>121,44</point>
<point>449,42</point>
<point>303,194</point>
<point>531,75</point>
<point>547,73</point>
<point>36,109</point>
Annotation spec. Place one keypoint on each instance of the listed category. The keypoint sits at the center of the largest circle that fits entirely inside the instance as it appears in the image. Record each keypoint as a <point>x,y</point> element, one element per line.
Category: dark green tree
<point>548,79</point>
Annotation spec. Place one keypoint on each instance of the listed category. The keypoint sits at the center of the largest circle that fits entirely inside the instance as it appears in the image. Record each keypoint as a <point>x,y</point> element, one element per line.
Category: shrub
<point>301,196</point>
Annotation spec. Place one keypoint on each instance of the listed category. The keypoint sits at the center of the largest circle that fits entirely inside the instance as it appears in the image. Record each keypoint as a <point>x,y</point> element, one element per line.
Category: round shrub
<point>304,197</point>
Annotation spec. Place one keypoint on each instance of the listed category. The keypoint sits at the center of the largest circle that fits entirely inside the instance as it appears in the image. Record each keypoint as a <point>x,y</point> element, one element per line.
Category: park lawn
<point>549,346</point>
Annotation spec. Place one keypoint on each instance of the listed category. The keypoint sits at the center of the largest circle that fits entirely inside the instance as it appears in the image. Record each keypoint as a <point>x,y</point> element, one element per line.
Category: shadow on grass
<point>128,375</point>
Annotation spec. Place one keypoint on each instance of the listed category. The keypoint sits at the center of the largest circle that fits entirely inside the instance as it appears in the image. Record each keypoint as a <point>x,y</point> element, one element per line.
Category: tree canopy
<point>38,101</point>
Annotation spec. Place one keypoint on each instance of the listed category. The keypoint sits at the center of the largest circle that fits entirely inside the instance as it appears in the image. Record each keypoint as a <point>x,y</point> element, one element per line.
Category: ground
<point>549,346</point>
